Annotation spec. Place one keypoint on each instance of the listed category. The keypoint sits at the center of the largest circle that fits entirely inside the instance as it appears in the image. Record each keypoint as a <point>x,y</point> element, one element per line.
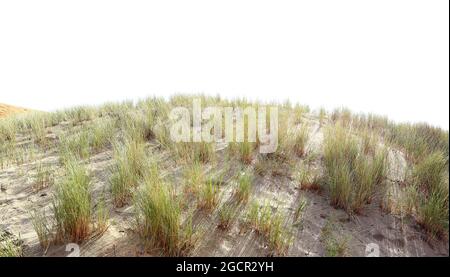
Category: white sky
<point>388,57</point>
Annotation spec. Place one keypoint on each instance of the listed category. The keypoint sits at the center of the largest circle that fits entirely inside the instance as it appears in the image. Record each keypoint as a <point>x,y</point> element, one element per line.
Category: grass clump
<point>42,228</point>
<point>128,169</point>
<point>300,141</point>
<point>429,173</point>
<point>246,152</point>
<point>78,115</point>
<point>340,152</point>
<point>8,130</point>
<point>158,216</point>
<point>429,177</point>
<point>417,140</point>
<point>162,135</point>
<point>433,212</point>
<point>101,216</point>
<point>244,186</point>
<point>243,149</point>
<point>352,177</point>
<point>10,246</point>
<point>43,178</point>
<point>302,204</point>
<point>138,125</point>
<point>263,165</point>
<point>209,195</point>
<point>343,116</point>
<point>339,147</point>
<point>203,152</point>
<point>368,175</point>
<point>72,204</point>
<point>76,145</point>
<point>369,142</point>
<point>340,186</point>
<point>322,116</point>
<point>335,245</point>
<point>253,215</point>
<point>271,226</point>
<point>279,239</point>
<point>226,214</point>
<point>92,139</point>
<point>194,177</point>
<point>307,179</point>
<point>101,134</point>
<point>197,152</point>
<point>38,126</point>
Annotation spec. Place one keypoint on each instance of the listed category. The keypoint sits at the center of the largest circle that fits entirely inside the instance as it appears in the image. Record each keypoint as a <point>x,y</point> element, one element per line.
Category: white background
<point>389,57</point>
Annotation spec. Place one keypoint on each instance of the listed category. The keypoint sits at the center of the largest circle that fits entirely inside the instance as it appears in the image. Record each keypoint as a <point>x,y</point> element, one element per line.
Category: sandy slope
<point>395,236</point>
<point>6,110</point>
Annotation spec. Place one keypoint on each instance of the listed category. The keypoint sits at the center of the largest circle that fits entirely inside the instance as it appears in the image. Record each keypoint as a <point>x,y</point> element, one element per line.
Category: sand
<point>394,235</point>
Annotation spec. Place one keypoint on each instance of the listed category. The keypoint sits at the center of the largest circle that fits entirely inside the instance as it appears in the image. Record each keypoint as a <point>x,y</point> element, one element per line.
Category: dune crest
<point>6,110</point>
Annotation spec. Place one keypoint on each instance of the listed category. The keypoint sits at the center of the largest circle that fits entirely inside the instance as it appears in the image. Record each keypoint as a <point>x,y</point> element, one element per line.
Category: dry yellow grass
<point>6,110</point>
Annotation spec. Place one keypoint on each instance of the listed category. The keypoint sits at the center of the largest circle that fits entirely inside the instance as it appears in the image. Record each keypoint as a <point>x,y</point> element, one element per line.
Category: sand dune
<point>287,209</point>
<point>6,110</point>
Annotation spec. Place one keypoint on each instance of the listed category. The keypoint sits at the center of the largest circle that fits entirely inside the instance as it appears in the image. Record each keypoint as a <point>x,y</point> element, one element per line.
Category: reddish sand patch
<point>6,110</point>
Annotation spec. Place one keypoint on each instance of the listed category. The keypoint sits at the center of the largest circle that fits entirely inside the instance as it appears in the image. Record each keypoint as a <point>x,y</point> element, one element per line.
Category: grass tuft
<point>128,169</point>
<point>42,228</point>
<point>72,204</point>
<point>244,186</point>
<point>8,130</point>
<point>10,246</point>
<point>429,177</point>
<point>336,245</point>
<point>76,145</point>
<point>300,141</point>
<point>270,226</point>
<point>209,195</point>
<point>43,178</point>
<point>308,179</point>
<point>352,177</point>
<point>226,214</point>
<point>158,216</point>
<point>101,134</point>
